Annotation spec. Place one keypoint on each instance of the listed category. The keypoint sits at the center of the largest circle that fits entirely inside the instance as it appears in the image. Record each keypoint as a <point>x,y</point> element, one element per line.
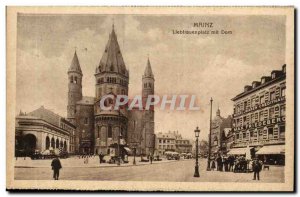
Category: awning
<point>238,151</point>
<point>271,150</point>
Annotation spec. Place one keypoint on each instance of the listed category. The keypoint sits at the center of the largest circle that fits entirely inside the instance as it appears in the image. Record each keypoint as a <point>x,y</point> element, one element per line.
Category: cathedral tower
<point>148,116</point>
<point>111,78</point>
<point>75,88</point>
<point>148,82</point>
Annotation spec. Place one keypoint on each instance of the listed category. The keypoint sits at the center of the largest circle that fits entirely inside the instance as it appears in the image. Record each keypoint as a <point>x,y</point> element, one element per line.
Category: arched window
<point>109,134</point>
<point>75,80</point>
<point>57,143</point>
<point>215,140</point>
<point>47,142</point>
<point>65,146</point>
<point>97,134</point>
<point>71,79</point>
<point>52,143</point>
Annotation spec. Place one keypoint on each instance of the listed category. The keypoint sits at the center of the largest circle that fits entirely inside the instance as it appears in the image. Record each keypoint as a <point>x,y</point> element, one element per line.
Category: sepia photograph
<point>150,98</point>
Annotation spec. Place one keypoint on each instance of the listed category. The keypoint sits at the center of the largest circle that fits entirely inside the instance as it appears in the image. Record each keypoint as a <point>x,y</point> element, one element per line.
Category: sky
<point>217,66</point>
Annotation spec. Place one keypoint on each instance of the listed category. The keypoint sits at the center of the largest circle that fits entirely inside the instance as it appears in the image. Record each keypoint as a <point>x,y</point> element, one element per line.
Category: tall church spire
<point>112,59</point>
<point>75,65</point>
<point>148,70</point>
<point>218,113</point>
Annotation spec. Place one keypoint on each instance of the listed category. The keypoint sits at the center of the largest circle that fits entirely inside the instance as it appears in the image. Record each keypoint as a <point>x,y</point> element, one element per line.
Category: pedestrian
<point>56,166</point>
<point>151,158</point>
<point>231,163</point>
<point>86,159</point>
<point>226,161</point>
<point>219,163</point>
<point>100,157</point>
<point>213,165</point>
<point>256,168</point>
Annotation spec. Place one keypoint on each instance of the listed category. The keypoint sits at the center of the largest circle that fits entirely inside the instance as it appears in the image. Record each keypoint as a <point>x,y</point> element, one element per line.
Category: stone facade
<point>42,130</point>
<point>259,112</point>
<point>99,129</point>
<point>219,129</point>
<point>172,141</point>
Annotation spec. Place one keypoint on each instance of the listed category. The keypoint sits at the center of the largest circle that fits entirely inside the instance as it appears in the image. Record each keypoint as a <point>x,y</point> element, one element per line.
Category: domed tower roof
<point>148,71</point>
<point>75,66</point>
<point>112,60</point>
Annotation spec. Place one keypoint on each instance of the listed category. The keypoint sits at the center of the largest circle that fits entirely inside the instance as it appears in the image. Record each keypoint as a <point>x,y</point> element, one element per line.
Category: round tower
<point>74,87</point>
<point>147,82</point>
<point>111,78</point>
<point>148,116</point>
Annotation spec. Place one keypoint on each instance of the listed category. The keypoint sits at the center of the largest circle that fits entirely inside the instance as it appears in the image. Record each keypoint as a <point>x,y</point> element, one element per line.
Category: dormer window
<point>273,75</point>
<point>263,80</point>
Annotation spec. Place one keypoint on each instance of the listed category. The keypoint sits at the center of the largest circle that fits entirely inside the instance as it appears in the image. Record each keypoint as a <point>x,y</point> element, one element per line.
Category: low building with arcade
<point>42,130</point>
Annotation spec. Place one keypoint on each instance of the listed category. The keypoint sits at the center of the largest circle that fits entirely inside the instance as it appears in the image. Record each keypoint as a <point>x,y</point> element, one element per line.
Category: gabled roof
<point>75,66</point>
<point>148,71</point>
<point>46,115</point>
<point>112,59</point>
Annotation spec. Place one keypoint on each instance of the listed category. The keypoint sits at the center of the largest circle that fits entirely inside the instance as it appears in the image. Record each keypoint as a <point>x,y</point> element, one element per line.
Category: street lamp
<point>197,132</point>
<point>119,141</point>
<point>134,153</point>
<point>209,140</point>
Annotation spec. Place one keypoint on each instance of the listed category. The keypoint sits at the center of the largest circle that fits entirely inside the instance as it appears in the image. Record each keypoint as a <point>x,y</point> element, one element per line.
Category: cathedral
<point>97,130</point>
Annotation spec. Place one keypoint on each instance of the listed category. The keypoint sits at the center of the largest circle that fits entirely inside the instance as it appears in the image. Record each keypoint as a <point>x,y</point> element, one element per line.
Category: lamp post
<point>134,153</point>
<point>197,132</point>
<point>119,137</point>
<point>209,140</point>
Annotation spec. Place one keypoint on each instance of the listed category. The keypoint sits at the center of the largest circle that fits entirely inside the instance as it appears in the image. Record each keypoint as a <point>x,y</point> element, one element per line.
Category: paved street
<point>167,171</point>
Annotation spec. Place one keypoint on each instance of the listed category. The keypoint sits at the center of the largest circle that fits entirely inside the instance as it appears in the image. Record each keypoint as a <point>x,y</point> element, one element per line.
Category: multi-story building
<point>42,130</point>
<point>165,142</point>
<point>259,116</point>
<point>172,141</point>
<point>220,127</point>
<point>183,145</point>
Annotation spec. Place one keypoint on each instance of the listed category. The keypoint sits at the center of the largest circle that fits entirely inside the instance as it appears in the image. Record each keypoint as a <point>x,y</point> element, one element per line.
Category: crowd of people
<point>236,164</point>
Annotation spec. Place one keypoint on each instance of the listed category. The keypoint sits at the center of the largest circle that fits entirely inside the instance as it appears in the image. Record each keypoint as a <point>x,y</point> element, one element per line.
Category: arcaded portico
<point>44,130</point>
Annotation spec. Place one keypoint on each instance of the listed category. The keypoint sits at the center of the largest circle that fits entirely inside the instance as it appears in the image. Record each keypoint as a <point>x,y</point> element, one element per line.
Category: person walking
<point>100,157</point>
<point>231,163</point>
<point>213,165</point>
<point>219,163</point>
<point>56,166</point>
<point>256,168</point>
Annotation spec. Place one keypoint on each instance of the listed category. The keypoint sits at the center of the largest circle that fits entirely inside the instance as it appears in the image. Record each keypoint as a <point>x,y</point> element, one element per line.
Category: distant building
<point>183,145</point>
<point>42,130</point>
<point>165,142</point>
<point>172,141</point>
<point>259,117</point>
<point>220,128</point>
